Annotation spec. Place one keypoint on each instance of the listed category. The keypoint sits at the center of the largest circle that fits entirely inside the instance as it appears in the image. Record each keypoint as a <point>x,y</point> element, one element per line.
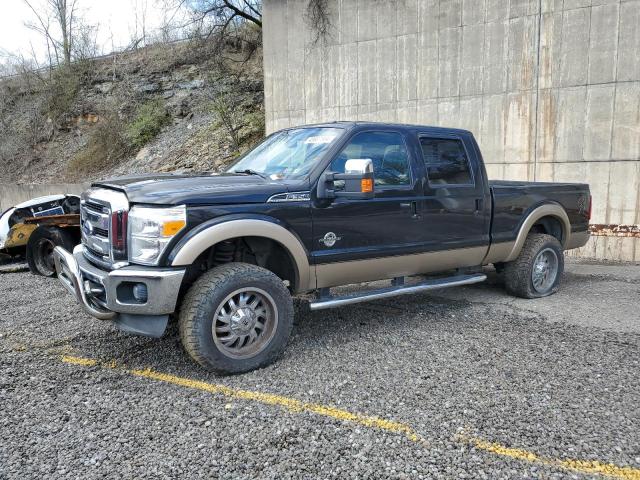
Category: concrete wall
<point>550,88</point>
<point>14,193</point>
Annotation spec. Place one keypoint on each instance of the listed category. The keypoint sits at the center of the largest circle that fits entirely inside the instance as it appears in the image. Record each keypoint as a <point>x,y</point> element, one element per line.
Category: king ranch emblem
<point>329,239</point>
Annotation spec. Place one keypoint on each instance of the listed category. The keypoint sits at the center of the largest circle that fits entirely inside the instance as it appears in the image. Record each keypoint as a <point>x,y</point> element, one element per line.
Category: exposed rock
<point>193,84</point>
<point>148,87</point>
<point>143,153</point>
<point>178,107</point>
<point>104,88</point>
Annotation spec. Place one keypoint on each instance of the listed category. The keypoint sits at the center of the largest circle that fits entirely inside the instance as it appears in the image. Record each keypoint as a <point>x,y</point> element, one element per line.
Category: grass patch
<point>107,145</point>
<point>112,139</point>
<point>147,123</point>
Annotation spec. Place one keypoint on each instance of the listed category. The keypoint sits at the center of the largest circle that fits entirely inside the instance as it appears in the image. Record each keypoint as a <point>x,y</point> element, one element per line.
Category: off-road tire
<point>39,248</point>
<point>518,273</point>
<point>205,297</point>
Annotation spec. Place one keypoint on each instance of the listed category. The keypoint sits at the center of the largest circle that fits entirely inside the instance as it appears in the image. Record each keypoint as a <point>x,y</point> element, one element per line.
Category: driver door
<point>355,239</point>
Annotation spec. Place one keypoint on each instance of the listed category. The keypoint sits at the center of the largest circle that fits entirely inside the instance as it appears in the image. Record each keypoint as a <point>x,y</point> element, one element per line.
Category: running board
<point>394,291</point>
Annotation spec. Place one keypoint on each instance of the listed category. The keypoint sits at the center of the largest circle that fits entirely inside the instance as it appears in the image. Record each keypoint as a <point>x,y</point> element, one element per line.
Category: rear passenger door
<point>455,209</point>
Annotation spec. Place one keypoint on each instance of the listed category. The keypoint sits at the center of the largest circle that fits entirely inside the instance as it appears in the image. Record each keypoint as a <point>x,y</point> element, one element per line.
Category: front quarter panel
<point>286,222</point>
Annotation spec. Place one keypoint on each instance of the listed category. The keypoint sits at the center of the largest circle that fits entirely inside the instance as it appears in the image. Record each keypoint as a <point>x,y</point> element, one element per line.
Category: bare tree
<point>62,13</point>
<point>226,11</point>
<point>229,116</point>
<point>140,27</point>
<point>176,22</point>
<point>43,26</point>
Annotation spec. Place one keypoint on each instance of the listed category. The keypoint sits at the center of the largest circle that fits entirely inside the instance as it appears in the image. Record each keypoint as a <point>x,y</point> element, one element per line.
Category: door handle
<point>413,206</point>
<point>479,205</point>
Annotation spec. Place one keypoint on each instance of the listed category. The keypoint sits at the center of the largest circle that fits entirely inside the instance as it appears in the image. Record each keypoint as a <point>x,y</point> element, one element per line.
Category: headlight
<point>151,230</point>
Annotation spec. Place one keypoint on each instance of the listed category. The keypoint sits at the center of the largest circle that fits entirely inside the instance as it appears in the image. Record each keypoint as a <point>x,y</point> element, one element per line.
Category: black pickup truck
<point>308,209</point>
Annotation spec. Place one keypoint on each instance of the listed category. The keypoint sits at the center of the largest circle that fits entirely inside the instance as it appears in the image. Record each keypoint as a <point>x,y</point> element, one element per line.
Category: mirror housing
<point>358,180</point>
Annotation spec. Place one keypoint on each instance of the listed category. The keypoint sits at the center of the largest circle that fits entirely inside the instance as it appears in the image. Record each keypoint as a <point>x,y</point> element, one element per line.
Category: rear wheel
<point>235,318</point>
<point>40,248</point>
<point>537,270</point>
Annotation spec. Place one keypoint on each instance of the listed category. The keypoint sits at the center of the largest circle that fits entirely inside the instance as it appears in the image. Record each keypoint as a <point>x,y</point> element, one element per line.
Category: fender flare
<point>548,210</point>
<point>186,252</point>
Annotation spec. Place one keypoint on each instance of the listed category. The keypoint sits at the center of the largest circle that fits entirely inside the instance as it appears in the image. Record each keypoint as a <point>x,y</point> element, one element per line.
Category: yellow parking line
<point>290,404</point>
<point>581,466</point>
<point>85,362</point>
<point>296,406</point>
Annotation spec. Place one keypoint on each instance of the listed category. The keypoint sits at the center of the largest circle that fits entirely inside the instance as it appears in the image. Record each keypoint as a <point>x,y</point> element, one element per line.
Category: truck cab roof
<point>366,125</point>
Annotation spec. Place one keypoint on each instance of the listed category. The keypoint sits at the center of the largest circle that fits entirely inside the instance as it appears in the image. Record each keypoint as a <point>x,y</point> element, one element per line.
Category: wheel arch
<point>549,218</point>
<point>208,235</point>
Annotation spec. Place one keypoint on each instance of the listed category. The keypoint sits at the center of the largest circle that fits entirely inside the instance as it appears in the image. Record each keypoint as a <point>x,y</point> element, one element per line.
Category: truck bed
<point>513,200</point>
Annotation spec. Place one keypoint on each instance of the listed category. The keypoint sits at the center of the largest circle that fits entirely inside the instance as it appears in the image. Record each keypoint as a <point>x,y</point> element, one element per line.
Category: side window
<point>387,152</point>
<point>446,161</point>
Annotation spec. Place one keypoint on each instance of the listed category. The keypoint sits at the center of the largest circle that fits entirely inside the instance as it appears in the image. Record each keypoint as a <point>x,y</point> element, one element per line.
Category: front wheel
<point>537,270</point>
<point>235,318</point>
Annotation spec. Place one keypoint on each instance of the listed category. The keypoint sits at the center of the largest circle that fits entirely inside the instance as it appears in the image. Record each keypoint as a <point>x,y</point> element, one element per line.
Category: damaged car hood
<point>196,189</point>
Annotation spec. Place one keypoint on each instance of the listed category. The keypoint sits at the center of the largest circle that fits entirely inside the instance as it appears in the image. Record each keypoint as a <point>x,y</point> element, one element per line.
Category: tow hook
<point>93,289</point>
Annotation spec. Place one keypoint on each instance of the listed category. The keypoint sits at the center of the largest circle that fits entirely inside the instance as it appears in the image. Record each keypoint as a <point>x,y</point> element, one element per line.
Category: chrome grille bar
<point>98,206</point>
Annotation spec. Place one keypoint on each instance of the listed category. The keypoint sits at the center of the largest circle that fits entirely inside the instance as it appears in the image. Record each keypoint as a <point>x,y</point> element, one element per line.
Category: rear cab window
<point>446,161</point>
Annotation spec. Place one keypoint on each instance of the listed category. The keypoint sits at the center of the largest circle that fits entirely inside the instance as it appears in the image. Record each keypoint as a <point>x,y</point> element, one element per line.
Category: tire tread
<point>517,274</point>
<point>197,299</point>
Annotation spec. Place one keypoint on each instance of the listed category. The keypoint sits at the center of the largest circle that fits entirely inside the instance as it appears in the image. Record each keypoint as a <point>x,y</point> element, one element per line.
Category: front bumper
<point>107,294</point>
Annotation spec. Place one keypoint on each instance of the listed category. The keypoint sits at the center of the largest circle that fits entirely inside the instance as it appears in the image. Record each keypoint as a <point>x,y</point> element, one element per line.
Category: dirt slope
<point>53,130</point>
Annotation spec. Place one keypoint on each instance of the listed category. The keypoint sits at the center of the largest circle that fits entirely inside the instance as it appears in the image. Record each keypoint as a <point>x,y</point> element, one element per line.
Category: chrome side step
<point>396,290</point>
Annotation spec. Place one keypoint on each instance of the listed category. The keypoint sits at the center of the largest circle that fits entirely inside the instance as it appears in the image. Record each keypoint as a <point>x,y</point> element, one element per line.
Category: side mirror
<point>358,181</point>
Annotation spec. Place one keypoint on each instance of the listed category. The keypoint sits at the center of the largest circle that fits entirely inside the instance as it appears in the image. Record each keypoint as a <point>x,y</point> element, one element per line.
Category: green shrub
<point>62,90</point>
<point>112,139</point>
<point>254,129</point>
<point>149,120</point>
<point>239,117</point>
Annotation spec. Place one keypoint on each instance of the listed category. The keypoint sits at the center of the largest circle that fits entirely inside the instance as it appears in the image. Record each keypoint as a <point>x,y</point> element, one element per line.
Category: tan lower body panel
<point>498,252</point>
<point>343,273</point>
<point>577,240</point>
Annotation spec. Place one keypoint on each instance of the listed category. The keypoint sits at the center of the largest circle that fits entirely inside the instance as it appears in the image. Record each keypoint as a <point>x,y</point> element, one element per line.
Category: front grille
<point>97,208</point>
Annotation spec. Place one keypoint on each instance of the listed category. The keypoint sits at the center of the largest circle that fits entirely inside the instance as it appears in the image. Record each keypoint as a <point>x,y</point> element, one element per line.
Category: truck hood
<point>195,189</point>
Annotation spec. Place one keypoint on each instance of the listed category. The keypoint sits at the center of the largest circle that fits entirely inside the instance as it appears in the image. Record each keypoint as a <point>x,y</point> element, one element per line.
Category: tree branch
<point>243,14</point>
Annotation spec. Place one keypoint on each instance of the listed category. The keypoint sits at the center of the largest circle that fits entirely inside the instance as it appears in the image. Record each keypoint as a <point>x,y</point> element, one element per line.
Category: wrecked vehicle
<point>308,209</point>
<point>32,229</point>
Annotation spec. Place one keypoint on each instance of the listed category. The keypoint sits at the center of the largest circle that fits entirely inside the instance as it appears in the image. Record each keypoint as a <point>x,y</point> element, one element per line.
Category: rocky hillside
<point>180,107</point>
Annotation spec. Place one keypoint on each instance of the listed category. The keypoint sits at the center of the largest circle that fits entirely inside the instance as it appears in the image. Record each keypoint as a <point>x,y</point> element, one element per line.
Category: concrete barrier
<point>14,193</point>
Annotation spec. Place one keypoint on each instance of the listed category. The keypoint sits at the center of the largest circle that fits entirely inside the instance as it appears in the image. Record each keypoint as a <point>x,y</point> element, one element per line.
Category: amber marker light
<point>366,185</point>
<point>172,227</point>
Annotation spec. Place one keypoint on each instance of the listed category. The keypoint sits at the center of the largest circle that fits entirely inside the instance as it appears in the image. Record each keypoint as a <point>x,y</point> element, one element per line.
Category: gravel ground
<point>470,361</point>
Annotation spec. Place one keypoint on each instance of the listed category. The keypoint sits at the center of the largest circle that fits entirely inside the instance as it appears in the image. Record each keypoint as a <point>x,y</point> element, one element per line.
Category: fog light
<point>140,292</point>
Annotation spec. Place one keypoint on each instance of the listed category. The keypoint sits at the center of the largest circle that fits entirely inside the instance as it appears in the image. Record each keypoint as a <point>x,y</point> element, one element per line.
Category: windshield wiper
<point>249,171</point>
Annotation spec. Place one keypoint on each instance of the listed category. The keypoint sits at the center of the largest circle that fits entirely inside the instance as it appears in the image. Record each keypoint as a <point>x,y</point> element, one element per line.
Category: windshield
<point>290,154</point>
